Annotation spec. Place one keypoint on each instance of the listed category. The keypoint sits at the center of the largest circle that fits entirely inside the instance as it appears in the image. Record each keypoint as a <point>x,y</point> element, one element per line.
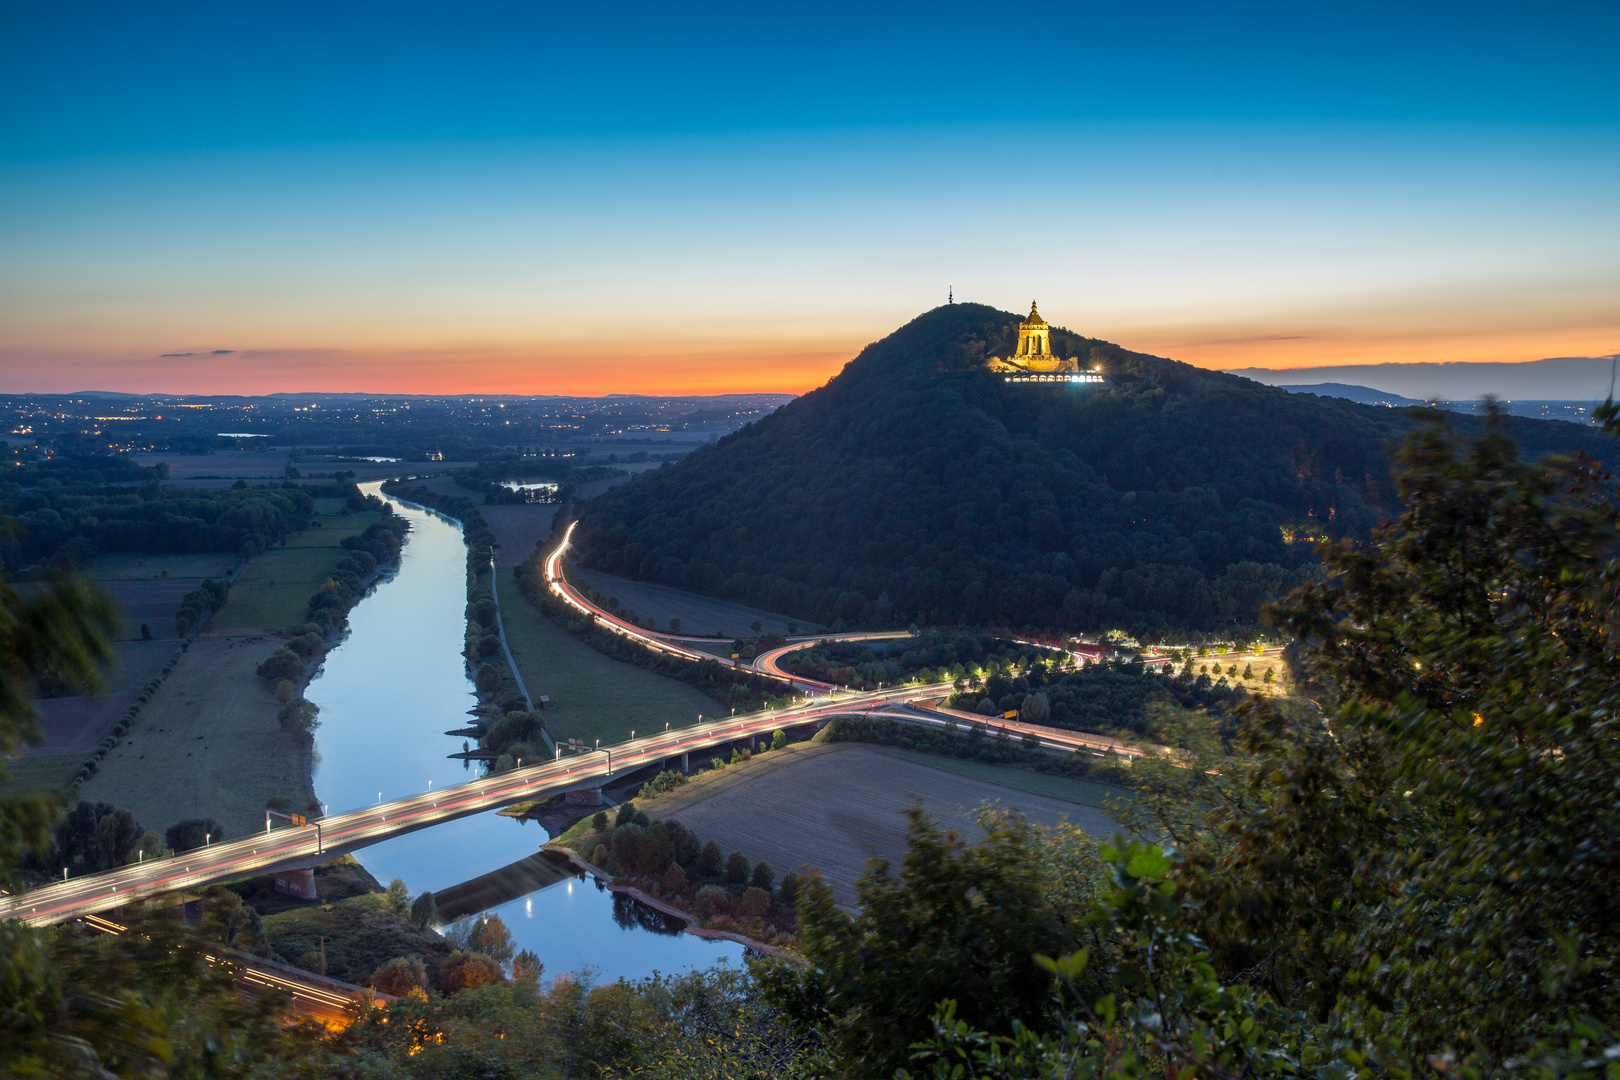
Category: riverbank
<point>210,742</point>
<point>694,925</point>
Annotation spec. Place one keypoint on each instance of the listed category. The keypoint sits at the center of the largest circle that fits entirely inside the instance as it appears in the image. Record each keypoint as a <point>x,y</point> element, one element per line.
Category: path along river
<point>387,694</point>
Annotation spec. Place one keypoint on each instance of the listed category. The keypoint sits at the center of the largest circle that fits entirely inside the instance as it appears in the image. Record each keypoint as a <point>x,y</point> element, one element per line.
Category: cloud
<point>221,352</point>
<point>179,354</point>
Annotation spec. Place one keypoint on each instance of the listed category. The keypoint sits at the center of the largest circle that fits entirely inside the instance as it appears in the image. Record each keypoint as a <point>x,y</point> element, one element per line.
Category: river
<point>387,693</point>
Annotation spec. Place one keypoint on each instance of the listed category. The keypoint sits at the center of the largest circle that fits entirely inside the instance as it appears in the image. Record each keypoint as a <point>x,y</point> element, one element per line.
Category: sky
<point>532,198</point>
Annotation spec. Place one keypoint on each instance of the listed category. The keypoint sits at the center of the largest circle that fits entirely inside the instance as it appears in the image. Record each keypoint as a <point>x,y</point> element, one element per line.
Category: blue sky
<point>351,193</point>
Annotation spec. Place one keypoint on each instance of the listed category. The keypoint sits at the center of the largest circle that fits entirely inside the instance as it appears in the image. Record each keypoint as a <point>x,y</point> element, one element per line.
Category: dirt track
<point>837,805</point>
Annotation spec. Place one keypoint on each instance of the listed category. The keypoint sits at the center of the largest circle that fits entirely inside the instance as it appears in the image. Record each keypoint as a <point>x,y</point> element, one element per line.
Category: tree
<point>756,626</point>
<point>424,911</point>
<point>961,922</point>
<point>778,739</point>
<point>396,898</point>
<point>527,966</point>
<point>192,833</point>
<point>400,976</point>
<point>469,971</point>
<point>675,626</point>
<point>763,877</point>
<point>93,837</point>
<point>1036,709</point>
<point>736,869</point>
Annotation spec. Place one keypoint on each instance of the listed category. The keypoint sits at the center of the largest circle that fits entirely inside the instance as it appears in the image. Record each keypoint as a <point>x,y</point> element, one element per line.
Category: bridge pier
<point>686,763</point>
<point>298,883</point>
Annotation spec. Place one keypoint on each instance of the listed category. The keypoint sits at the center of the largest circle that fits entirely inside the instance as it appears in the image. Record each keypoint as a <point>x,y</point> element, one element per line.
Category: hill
<point>1366,395</point>
<point>918,486</point>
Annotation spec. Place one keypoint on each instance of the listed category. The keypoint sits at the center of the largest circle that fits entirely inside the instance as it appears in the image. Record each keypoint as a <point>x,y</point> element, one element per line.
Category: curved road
<point>764,664</point>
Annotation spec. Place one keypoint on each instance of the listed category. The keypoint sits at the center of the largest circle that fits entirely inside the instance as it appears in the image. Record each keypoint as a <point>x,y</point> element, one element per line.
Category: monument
<point>1033,361</point>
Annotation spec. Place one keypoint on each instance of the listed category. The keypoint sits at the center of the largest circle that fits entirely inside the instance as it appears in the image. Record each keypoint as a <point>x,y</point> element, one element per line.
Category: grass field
<point>1082,792</point>
<point>274,589</point>
<point>118,565</point>
<point>40,772</point>
<point>836,805</point>
<point>593,696</point>
<point>206,745</point>
<point>698,614</point>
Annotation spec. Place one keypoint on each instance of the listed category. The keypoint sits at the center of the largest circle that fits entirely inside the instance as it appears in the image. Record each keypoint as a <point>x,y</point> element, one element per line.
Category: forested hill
<point>917,486</point>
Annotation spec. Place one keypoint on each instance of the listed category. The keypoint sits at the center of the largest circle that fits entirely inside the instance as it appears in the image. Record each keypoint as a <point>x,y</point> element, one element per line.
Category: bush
<point>626,813</point>
<point>675,878</point>
<point>756,903</point>
<point>778,739</point>
<point>286,690</point>
<point>469,971</point>
<point>599,820</point>
<point>307,645</point>
<point>400,976</point>
<point>299,716</point>
<point>281,664</point>
<point>192,833</point>
<point>664,781</point>
<point>711,900</point>
<point>627,846</point>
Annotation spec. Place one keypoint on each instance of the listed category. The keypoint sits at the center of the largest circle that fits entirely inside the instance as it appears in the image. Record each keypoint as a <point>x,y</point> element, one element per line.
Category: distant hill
<point>1558,378</point>
<point>1366,395</point>
<point>918,486</point>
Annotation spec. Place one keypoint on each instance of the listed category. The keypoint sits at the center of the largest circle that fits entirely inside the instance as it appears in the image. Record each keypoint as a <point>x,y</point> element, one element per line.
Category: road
<point>764,664</point>
<point>331,1002</point>
<point>296,847</point>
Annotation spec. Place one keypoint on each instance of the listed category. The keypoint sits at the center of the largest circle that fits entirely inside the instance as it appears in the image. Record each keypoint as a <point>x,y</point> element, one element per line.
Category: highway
<point>303,846</point>
<point>330,1001</point>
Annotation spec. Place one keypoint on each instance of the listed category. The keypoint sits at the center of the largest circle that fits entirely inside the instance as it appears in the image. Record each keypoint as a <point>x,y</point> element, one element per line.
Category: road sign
<point>1010,715</point>
<point>297,819</point>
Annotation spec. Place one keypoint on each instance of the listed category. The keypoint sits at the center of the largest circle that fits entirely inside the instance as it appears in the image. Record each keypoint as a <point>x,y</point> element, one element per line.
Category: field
<point>1064,788</point>
<point>125,565</point>
<point>593,696</point>
<point>255,464</point>
<point>40,772</point>
<point>518,529</point>
<point>273,590</point>
<point>75,725</point>
<point>836,805</point>
<point>698,614</point>
<point>206,745</point>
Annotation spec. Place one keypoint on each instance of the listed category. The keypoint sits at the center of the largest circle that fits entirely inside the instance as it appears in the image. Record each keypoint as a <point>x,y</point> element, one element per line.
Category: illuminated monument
<point>1034,362</point>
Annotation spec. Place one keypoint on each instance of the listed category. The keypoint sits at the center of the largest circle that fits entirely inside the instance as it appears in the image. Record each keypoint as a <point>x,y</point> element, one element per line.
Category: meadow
<point>274,588</point>
<point>207,745</point>
<point>836,805</point>
<point>593,696</point>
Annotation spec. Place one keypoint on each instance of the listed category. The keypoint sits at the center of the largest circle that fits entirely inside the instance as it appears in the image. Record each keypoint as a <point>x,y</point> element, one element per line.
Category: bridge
<point>302,847</point>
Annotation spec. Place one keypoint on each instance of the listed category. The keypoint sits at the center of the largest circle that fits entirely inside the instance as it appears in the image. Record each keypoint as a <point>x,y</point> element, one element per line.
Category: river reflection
<point>388,693</point>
